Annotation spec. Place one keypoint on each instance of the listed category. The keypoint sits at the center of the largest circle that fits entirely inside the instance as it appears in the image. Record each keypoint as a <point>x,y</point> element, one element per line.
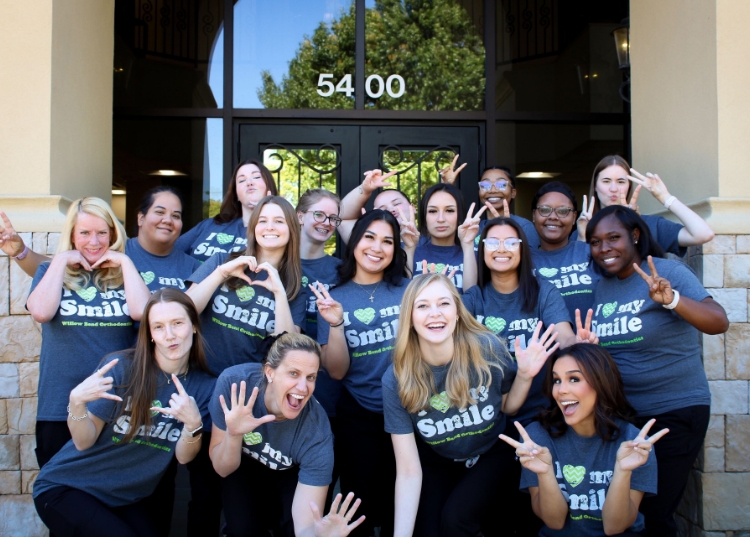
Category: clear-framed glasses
<point>562,212</point>
<point>511,244</point>
<point>320,217</point>
<point>500,185</point>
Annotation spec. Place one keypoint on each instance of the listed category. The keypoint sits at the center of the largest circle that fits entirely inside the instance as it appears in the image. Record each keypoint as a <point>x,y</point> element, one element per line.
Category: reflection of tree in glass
<point>211,206</point>
<point>420,170</point>
<point>431,43</point>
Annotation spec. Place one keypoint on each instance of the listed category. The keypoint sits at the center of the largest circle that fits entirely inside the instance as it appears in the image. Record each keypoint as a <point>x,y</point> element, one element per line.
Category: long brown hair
<point>231,208</point>
<point>290,268</point>
<point>470,362</point>
<point>606,162</point>
<point>144,372</point>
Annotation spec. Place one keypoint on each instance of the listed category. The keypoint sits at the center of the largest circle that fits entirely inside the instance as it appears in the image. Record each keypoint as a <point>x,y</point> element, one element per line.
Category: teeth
<point>296,396</point>
<point>436,325</point>
<point>373,257</point>
<point>566,403</point>
<point>270,236</point>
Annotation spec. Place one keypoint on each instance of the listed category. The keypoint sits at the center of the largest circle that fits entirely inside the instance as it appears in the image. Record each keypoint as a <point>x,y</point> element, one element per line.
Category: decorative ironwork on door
<point>418,169</point>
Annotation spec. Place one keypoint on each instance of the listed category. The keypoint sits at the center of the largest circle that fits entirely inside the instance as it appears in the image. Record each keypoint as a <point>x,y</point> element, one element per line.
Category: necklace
<point>372,295</point>
<point>184,377</point>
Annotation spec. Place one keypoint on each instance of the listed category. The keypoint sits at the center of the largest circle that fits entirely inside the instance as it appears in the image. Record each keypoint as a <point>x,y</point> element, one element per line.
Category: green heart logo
<point>574,474</point>
<point>245,293</point>
<point>496,324</point>
<point>148,277</point>
<point>609,309</point>
<point>87,294</point>
<point>476,241</point>
<point>439,267</point>
<point>365,315</point>
<point>305,282</point>
<point>223,238</point>
<point>440,402</point>
<point>157,404</point>
<point>253,438</point>
<point>547,272</point>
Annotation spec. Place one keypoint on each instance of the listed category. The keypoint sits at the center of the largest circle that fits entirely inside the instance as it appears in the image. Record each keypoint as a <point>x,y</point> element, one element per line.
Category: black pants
<point>457,496</point>
<point>258,499</point>
<point>335,475</point>
<point>675,454</point>
<point>364,454</point>
<point>70,512</point>
<point>51,436</point>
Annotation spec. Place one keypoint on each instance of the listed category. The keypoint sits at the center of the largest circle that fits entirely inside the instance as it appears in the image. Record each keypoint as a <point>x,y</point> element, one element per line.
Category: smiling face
<point>574,395</point>
<point>434,315</point>
<point>501,260</point>
<point>554,229</point>
<point>162,223</point>
<point>501,189</point>
<point>251,187</point>
<point>318,232</point>
<point>172,333</point>
<point>442,218</point>
<point>91,237</point>
<point>613,248</point>
<point>374,251</point>
<point>272,230</point>
<point>612,185</point>
<point>291,384</point>
<point>392,201</point>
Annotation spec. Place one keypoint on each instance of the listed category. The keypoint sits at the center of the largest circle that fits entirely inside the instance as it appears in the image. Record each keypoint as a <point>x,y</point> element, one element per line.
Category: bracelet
<point>85,415</point>
<point>669,201</point>
<point>22,255</point>
<point>672,305</point>
<point>337,325</point>
<point>194,440</point>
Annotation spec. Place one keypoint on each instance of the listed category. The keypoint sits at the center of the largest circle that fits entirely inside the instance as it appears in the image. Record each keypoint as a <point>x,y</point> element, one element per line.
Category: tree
<point>432,44</point>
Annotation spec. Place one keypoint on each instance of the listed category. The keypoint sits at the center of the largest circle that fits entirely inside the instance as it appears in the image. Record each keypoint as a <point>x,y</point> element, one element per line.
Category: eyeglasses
<point>320,217</point>
<point>487,185</point>
<point>511,244</point>
<point>562,212</point>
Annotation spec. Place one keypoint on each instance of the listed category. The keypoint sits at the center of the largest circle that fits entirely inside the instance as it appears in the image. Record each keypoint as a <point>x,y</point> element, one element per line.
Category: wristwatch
<point>192,434</point>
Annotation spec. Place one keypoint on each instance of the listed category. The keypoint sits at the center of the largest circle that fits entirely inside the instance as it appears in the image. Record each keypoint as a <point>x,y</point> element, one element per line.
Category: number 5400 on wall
<point>325,80</point>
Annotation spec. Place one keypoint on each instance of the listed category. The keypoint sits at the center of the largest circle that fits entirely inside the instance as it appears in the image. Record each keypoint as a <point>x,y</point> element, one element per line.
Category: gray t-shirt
<point>370,329</point>
<point>584,468</point>
<point>454,433</point>
<point>665,233</point>
<point>532,237</point>
<point>209,238</point>
<point>451,256</point>
<point>160,271</point>
<point>120,474</point>
<point>571,271</point>
<point>503,315</point>
<point>88,325</point>
<point>305,442</point>
<point>658,353</point>
<point>235,321</point>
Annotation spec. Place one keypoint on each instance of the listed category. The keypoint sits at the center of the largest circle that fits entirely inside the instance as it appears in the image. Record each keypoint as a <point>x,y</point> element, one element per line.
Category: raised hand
<point>182,407</point>
<point>96,386</point>
<point>375,179</point>
<point>531,359</point>
<point>409,232</point>
<point>493,211</point>
<point>651,182</point>
<point>337,523</point>
<point>467,231</point>
<point>331,311</point>
<point>587,213</point>
<point>273,282</point>
<point>633,203</point>
<point>659,289</point>
<point>236,267</point>
<point>11,242</point>
<point>583,332</point>
<point>449,174</point>
<point>531,455</point>
<point>634,453</point>
<point>239,418</point>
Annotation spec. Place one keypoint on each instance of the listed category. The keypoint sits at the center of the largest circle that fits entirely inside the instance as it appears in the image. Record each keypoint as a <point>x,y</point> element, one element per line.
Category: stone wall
<point>717,503</point>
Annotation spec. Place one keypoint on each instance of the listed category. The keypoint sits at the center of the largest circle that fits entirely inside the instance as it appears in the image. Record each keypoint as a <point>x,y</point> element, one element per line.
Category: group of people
<point>457,375</point>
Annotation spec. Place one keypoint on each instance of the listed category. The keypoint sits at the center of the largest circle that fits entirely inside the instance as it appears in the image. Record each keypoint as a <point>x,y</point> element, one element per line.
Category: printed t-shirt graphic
<point>118,473</point>
<point>571,271</point>
<point>160,271</point>
<point>442,256</point>
<point>235,321</point>
<point>370,332</point>
<point>209,238</point>
<point>305,442</point>
<point>454,433</point>
<point>88,325</point>
<point>657,352</point>
<point>583,468</point>
<point>502,314</point>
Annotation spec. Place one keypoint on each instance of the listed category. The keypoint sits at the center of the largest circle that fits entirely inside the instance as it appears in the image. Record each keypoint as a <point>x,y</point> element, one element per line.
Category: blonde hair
<point>313,196</point>
<point>286,343</point>
<point>105,278</point>
<point>472,358</point>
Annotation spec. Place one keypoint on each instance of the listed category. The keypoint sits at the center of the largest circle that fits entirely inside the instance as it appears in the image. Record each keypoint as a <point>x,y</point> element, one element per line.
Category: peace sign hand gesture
<point>659,289</point>
<point>583,332</point>
<point>432,268</point>
<point>449,174</point>
<point>11,242</point>
<point>96,386</point>
<point>337,523</point>
<point>633,203</point>
<point>467,231</point>
<point>531,455</point>
<point>331,311</point>
<point>651,182</point>
<point>239,418</point>
<point>531,359</point>
<point>587,213</point>
<point>375,179</point>
<point>493,211</point>
<point>634,453</point>
<point>182,407</point>
<point>409,232</point>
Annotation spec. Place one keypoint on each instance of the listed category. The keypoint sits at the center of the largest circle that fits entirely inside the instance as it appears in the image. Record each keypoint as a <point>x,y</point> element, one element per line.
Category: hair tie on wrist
<point>337,325</point>
<point>675,300</point>
<point>669,201</point>
<point>22,255</point>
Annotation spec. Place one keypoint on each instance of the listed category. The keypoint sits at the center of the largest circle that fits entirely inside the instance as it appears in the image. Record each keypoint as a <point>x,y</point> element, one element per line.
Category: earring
<point>152,340</point>
<point>270,380</point>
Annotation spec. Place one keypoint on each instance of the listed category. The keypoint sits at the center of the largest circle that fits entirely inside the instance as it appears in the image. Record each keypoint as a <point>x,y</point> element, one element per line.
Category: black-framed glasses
<point>500,185</point>
<point>562,212</point>
<point>320,217</point>
<point>511,244</point>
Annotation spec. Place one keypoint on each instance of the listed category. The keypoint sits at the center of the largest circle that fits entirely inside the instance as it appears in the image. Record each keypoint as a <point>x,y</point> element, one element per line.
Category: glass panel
<point>566,153</point>
<point>554,55</point>
<point>418,168</point>
<point>169,53</point>
<point>282,49</point>
<point>424,55</point>
<point>182,153</point>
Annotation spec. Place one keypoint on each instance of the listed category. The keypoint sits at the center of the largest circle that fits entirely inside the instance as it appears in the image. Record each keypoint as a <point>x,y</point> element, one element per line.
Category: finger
<point>359,521</point>
<point>591,206</point>
<point>315,512</point>
<point>453,273</point>
<point>107,367</point>
<point>85,265</point>
<point>480,212</point>
<point>424,266</point>
<point>111,396</point>
<point>461,167</point>
<point>656,436</point>
<point>508,440</point>
<point>404,220</point>
<point>585,203</point>
<point>636,180</point>
<point>345,505</point>
<point>523,432</point>
<point>645,276</point>
<point>335,504</point>
<point>350,512</point>
<point>579,326</point>
<point>654,273</point>
<point>167,411</point>
<point>506,209</point>
<point>6,222</point>
<point>453,164</point>
<point>315,291</point>
<point>268,418</point>
<point>243,394</point>
<point>492,210</point>
<point>643,434</point>
<point>589,317</point>
<point>233,396</point>
<point>178,385</point>
<point>634,198</point>
<point>470,211</point>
